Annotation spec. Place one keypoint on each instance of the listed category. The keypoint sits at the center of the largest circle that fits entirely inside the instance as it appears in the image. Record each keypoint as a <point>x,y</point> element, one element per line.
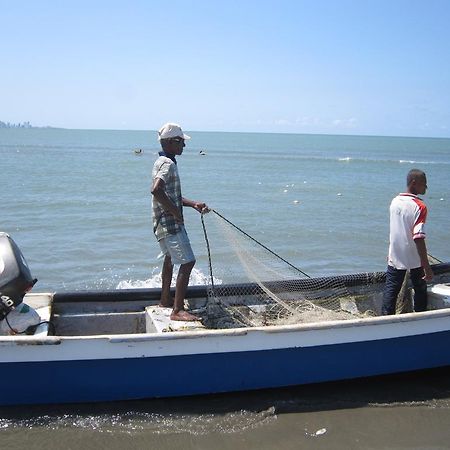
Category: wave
<point>135,421</point>
<point>306,156</point>
<point>386,160</point>
<point>360,156</point>
<point>405,161</point>
<point>197,278</point>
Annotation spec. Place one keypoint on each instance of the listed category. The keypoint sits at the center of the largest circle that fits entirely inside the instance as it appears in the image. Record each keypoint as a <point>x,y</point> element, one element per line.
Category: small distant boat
<point>202,152</point>
<point>138,151</point>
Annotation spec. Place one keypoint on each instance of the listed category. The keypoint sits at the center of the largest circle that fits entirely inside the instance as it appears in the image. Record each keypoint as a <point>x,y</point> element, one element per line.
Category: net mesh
<point>259,288</point>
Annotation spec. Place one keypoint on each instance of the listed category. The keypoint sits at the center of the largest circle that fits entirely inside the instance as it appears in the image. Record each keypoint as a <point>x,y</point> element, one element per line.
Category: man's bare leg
<point>166,278</point>
<point>178,312</point>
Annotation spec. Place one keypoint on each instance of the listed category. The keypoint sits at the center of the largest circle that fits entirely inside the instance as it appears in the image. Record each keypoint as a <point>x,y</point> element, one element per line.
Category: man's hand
<point>428,273</point>
<point>201,207</point>
<point>423,254</point>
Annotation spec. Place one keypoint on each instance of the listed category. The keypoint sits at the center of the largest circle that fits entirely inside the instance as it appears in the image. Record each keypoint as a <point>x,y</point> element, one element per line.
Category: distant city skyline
<point>15,125</point>
<point>285,66</point>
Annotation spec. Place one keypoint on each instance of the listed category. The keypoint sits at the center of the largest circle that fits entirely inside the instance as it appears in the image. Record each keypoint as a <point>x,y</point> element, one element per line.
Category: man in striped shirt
<point>407,248</point>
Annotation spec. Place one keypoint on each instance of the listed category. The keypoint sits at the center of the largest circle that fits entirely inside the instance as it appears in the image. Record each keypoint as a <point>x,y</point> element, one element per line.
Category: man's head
<point>172,138</point>
<point>416,181</point>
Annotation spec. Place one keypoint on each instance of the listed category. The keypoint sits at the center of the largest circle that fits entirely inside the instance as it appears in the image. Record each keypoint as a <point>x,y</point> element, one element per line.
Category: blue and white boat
<point>119,345</point>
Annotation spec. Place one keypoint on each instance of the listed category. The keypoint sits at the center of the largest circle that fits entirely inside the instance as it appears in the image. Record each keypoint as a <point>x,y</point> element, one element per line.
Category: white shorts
<point>178,247</point>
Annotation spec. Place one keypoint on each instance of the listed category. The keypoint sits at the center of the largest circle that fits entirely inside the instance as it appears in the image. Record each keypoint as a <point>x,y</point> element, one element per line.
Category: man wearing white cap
<point>168,223</point>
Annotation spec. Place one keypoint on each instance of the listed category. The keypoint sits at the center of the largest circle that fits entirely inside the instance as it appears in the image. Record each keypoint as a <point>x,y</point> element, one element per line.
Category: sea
<point>78,204</point>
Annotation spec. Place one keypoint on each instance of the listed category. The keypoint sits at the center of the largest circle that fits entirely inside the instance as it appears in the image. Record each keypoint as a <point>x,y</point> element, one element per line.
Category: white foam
<point>197,278</point>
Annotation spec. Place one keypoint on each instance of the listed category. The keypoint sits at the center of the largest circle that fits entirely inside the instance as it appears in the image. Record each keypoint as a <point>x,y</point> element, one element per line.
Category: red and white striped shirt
<point>408,214</point>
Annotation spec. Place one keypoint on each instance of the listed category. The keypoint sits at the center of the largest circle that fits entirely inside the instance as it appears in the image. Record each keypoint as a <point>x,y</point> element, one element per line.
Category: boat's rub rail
<point>179,335</point>
<point>30,340</point>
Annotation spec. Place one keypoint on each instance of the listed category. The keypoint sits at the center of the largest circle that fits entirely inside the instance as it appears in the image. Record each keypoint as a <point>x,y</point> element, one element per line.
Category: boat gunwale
<point>231,332</point>
<point>142,294</point>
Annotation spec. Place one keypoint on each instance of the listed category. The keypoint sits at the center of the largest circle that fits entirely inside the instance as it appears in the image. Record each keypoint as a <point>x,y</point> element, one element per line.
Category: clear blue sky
<point>378,67</point>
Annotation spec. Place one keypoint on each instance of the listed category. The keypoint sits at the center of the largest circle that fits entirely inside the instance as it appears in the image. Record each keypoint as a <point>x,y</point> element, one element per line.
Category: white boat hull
<point>91,368</point>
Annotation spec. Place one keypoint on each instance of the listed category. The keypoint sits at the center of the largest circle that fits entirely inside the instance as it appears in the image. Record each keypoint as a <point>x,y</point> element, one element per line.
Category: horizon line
<point>235,132</point>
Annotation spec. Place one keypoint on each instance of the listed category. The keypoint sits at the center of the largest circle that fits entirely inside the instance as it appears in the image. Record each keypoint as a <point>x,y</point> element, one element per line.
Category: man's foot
<point>166,303</point>
<point>183,316</point>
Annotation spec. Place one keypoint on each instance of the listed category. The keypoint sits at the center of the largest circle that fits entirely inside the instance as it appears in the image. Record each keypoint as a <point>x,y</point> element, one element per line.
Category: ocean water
<point>78,201</point>
<point>78,204</point>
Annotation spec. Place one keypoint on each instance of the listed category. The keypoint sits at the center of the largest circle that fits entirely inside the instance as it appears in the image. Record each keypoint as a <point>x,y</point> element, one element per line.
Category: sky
<point>364,67</point>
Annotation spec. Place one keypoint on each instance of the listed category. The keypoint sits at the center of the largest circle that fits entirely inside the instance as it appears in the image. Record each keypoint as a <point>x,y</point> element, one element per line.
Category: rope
<point>208,249</point>
<point>32,328</point>
<point>250,237</point>
<point>433,260</point>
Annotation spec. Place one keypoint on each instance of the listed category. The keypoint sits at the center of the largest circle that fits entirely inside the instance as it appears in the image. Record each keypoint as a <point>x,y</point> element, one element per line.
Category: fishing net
<point>257,287</point>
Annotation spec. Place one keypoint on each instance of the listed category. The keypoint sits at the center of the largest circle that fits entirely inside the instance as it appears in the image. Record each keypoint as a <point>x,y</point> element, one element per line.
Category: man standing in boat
<point>168,223</point>
<point>407,248</point>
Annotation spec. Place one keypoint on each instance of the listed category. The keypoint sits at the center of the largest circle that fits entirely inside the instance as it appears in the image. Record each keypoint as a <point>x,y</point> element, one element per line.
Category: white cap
<point>171,130</point>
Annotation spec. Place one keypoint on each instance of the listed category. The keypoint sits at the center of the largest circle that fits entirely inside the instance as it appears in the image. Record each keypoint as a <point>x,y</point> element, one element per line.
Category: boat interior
<point>137,311</point>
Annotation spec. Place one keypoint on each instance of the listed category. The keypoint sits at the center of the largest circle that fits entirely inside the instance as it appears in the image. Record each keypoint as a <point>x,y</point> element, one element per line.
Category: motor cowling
<point>15,276</point>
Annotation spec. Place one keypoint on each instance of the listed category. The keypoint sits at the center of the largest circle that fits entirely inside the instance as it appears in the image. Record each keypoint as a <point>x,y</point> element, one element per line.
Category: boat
<point>96,346</point>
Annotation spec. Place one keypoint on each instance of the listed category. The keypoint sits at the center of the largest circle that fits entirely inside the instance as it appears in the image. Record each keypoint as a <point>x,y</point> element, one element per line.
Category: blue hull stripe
<point>121,379</point>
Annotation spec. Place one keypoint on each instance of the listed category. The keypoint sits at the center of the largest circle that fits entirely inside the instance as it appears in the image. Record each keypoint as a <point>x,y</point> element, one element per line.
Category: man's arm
<point>159,193</point>
<point>199,206</point>
<point>422,250</point>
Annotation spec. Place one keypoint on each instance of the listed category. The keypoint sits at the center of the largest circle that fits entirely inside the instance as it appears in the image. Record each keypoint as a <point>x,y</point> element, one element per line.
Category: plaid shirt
<point>164,224</point>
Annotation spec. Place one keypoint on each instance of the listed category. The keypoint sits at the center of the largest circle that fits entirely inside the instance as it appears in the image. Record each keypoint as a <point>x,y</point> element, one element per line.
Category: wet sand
<point>395,412</point>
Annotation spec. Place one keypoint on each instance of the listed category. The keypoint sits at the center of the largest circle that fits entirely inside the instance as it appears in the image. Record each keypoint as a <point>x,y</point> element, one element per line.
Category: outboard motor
<point>15,276</point>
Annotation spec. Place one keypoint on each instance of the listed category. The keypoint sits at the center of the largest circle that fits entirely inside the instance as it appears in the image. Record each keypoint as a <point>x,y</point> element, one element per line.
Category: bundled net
<point>258,288</point>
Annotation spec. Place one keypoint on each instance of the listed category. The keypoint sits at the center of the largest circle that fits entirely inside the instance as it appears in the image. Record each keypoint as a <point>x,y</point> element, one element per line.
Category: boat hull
<point>93,367</point>
<point>92,380</point>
